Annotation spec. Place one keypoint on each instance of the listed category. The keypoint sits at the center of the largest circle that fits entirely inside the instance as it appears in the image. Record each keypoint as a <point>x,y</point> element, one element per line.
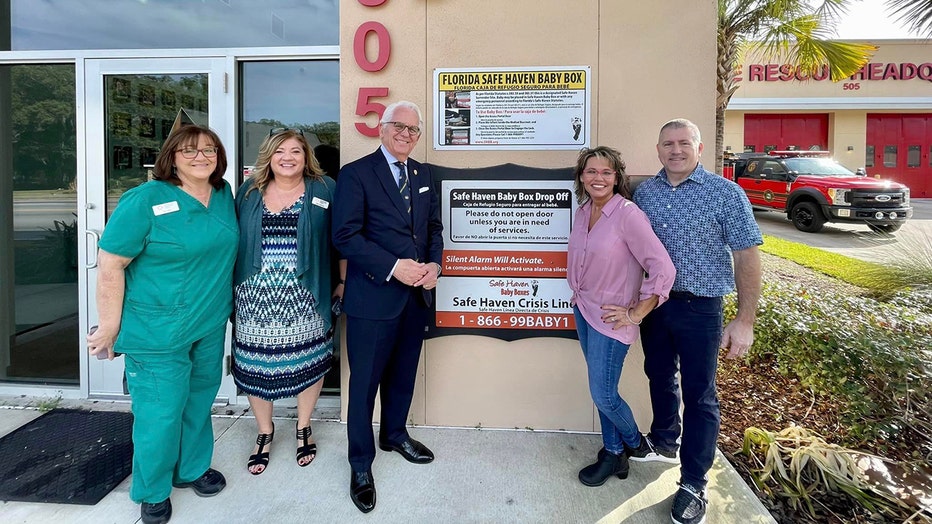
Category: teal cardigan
<point>316,260</point>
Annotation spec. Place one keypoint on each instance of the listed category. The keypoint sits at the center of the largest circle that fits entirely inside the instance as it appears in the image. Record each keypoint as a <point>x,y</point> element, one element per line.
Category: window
<point>889,156</point>
<point>40,314</point>
<point>302,94</point>
<point>869,156</point>
<point>913,154</point>
<point>776,171</point>
<point>140,111</point>
<point>136,24</point>
<point>750,149</point>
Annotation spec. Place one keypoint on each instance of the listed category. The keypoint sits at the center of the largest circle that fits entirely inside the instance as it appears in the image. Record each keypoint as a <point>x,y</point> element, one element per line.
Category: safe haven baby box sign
<point>504,262</point>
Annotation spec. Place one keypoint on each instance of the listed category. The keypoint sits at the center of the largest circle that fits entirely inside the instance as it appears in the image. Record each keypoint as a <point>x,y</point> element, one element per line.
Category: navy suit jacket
<point>372,230</point>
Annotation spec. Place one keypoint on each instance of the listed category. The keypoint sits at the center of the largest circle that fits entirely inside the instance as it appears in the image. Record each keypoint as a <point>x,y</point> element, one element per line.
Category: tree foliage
<point>43,126</point>
<point>791,30</point>
<point>915,14</point>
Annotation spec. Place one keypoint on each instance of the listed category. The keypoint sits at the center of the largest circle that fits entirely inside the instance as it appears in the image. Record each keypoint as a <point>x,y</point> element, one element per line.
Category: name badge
<point>423,189</point>
<point>320,202</point>
<point>164,209</point>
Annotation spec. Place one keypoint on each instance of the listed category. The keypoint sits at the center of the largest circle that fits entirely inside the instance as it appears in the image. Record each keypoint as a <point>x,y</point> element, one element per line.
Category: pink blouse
<point>607,264</point>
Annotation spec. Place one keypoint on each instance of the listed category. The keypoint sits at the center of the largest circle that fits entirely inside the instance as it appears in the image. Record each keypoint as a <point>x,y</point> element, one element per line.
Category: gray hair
<point>389,114</point>
<point>679,123</point>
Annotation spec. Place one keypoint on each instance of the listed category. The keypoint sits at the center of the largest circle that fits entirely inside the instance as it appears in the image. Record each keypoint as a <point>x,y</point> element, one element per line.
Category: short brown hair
<point>187,136</point>
<point>613,156</point>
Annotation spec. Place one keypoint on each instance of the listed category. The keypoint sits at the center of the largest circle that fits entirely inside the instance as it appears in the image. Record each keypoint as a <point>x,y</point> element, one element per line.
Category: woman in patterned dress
<point>282,288</point>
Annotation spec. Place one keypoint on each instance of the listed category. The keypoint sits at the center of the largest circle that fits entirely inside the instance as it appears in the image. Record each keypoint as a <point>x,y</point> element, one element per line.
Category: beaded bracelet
<point>631,320</point>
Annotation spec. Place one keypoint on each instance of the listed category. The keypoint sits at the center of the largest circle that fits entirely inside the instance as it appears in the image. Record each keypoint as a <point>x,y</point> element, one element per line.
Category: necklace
<point>278,199</point>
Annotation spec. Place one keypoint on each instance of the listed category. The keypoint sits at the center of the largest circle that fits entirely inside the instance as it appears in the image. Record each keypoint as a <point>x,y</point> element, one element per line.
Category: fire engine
<point>813,189</point>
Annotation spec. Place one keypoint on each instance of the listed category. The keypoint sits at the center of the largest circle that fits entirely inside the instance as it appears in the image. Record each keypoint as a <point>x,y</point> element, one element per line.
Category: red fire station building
<point>880,118</point>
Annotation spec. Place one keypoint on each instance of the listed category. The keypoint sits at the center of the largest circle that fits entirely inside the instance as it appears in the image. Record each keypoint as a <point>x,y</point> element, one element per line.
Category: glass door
<point>131,107</point>
<point>39,270</point>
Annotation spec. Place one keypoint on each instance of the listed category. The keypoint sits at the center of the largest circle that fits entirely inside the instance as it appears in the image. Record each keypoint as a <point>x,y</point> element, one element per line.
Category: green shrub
<point>873,356</point>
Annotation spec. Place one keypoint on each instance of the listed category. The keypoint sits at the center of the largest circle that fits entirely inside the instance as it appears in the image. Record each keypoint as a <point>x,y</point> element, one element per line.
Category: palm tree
<point>792,30</point>
<point>917,14</point>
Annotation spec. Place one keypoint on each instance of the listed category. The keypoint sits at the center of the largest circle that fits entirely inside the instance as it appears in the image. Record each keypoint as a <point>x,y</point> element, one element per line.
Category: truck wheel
<point>883,228</point>
<point>807,217</point>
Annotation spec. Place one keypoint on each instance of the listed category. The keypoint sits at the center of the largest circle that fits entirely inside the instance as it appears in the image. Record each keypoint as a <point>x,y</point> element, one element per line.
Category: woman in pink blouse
<point>611,248</point>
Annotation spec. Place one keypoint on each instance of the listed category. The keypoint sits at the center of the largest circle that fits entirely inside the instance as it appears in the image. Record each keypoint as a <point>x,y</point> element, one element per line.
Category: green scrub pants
<point>172,393</point>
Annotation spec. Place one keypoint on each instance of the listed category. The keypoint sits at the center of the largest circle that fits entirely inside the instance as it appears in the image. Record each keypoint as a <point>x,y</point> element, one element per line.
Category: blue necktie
<point>403,185</point>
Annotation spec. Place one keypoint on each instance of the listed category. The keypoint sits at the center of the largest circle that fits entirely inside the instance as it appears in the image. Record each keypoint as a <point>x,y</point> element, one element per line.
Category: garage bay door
<point>766,132</point>
<point>899,147</point>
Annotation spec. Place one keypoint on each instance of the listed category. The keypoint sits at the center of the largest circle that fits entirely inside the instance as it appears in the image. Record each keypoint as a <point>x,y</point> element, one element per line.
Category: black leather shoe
<point>207,485</point>
<point>362,490</point>
<point>157,513</point>
<point>410,449</point>
<point>605,466</point>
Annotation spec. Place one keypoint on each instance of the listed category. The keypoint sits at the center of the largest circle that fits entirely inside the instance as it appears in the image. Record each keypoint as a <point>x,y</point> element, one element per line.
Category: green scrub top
<point>179,286</point>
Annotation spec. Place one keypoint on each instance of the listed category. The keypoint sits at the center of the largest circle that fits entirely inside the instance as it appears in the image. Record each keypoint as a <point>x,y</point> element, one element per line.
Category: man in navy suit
<point>386,224</point>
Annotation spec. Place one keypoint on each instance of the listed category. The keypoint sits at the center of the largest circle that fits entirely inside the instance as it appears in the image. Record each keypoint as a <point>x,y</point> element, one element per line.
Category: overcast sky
<point>870,19</point>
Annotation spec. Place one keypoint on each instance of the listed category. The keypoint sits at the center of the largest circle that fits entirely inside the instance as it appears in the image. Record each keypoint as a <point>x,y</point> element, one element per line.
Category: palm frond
<point>917,14</point>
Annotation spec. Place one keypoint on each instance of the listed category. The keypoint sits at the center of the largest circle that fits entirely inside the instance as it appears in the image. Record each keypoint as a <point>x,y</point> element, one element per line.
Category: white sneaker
<point>647,452</point>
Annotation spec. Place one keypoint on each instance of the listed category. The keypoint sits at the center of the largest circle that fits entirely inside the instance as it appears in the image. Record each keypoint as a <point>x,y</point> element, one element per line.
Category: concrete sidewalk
<point>479,476</point>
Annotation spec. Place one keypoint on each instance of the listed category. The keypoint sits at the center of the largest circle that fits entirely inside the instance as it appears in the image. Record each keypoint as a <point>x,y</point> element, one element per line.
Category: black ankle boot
<point>605,466</point>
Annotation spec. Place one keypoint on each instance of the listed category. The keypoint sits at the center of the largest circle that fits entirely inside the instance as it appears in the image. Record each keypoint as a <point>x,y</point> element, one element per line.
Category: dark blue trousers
<point>381,354</point>
<point>684,334</point>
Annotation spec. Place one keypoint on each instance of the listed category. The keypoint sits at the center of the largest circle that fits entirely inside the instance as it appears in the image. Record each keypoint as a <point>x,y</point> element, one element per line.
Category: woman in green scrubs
<point>164,295</point>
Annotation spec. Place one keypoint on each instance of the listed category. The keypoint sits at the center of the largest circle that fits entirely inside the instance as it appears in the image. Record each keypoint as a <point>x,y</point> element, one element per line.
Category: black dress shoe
<point>362,490</point>
<point>605,466</point>
<point>207,485</point>
<point>410,449</point>
<point>157,513</point>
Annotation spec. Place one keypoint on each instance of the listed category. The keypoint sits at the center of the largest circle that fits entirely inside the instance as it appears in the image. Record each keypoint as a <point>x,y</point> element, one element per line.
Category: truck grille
<point>869,199</point>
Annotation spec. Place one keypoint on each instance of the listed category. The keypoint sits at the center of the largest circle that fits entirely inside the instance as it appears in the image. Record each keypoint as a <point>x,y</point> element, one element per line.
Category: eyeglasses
<point>592,173</point>
<point>191,152</point>
<point>400,127</point>
<point>276,130</point>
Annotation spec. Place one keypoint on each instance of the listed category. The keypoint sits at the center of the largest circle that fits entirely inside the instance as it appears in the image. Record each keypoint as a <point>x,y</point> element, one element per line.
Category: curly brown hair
<point>613,156</point>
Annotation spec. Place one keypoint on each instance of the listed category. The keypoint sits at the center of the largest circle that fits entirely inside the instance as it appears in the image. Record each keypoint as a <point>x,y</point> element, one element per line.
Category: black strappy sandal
<point>307,449</point>
<point>261,457</point>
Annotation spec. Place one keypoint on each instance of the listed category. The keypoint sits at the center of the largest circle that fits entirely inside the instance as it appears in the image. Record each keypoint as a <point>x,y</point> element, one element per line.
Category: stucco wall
<point>650,62</point>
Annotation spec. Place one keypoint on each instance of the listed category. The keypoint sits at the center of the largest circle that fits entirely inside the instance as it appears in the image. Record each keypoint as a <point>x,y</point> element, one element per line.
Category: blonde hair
<point>263,175</point>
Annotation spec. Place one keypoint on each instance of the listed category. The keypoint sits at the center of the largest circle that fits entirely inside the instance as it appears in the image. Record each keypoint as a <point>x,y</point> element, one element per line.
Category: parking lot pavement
<point>855,240</point>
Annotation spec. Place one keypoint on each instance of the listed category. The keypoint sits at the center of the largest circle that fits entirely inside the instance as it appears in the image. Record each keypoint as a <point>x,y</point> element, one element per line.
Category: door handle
<point>95,236</point>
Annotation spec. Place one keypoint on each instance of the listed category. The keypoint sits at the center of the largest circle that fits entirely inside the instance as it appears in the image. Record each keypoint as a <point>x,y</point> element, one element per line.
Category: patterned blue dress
<point>281,346</point>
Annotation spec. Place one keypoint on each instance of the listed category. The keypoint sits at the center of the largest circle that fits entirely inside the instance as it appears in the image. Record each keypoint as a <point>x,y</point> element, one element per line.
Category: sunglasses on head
<point>276,130</point>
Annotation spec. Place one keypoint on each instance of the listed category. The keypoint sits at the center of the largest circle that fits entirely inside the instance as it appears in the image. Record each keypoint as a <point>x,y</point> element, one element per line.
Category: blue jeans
<point>604,359</point>
<point>684,335</point>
